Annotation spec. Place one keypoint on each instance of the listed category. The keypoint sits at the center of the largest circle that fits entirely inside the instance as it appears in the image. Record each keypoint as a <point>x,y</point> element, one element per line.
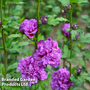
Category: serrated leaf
<point>12,66</point>
<point>73,33</point>
<point>14,35</point>
<point>84,38</point>
<point>82,62</point>
<point>52,20</point>
<point>66,53</point>
<point>40,37</point>
<point>62,19</point>
<point>23,43</point>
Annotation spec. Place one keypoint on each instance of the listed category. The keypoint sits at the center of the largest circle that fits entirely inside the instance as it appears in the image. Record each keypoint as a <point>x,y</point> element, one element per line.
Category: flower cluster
<point>28,27</point>
<point>30,68</point>
<point>61,79</point>
<point>63,11</point>
<point>67,26</point>
<point>48,52</point>
<point>33,67</point>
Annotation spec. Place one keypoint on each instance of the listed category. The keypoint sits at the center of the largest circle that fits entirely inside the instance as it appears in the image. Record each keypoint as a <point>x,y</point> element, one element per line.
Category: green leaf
<point>74,33</point>
<point>21,19</point>
<point>64,2</point>
<point>82,62</point>
<point>66,52</point>
<point>16,2</point>
<point>73,1</point>
<point>68,29</point>
<point>73,69</point>
<point>12,87</point>
<point>23,43</point>
<point>61,19</point>
<point>49,6</point>
<point>0,35</point>
<point>2,69</point>
<point>59,34</point>
<point>84,38</point>
<point>52,20</point>
<point>85,16</point>
<point>83,1</point>
<point>85,76</point>
<point>14,35</point>
<point>56,9</point>
<point>40,37</point>
<point>48,70</point>
<point>13,66</point>
<point>87,56</point>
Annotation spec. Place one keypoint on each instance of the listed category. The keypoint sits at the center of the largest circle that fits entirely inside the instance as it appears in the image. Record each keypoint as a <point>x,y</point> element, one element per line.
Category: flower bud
<point>77,36</point>
<point>0,24</point>
<point>63,12</point>
<point>44,19</point>
<point>79,70</point>
<point>68,6</point>
<point>77,4</point>
<point>74,26</point>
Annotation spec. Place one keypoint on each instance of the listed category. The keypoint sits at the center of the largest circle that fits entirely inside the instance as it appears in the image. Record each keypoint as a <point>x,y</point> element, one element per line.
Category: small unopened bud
<point>77,36</point>
<point>79,70</point>
<point>0,24</point>
<point>68,6</point>
<point>77,4</point>
<point>74,26</point>
<point>63,12</point>
<point>44,19</point>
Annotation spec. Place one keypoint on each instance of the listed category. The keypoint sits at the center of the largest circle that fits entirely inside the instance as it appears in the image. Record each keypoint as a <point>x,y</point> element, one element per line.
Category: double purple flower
<point>28,27</point>
<point>48,52</point>
<point>30,68</point>
<point>33,67</point>
<point>61,79</point>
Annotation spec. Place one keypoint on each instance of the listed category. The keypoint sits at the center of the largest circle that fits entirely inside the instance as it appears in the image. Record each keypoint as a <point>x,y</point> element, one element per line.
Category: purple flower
<point>74,26</point>
<point>28,27</point>
<point>61,79</point>
<point>30,68</point>
<point>64,27</point>
<point>48,52</point>
<point>68,6</point>
<point>44,19</point>
<point>22,26</point>
<point>0,24</point>
<point>79,70</point>
<point>67,34</point>
<point>63,12</point>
